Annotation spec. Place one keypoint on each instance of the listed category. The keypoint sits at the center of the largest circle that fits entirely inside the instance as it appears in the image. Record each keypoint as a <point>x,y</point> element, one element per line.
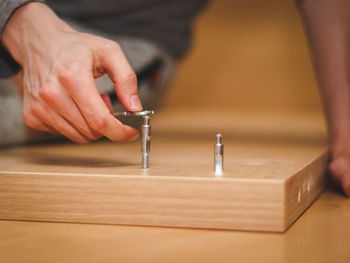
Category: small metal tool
<point>218,155</point>
<point>135,113</point>
<point>146,132</point>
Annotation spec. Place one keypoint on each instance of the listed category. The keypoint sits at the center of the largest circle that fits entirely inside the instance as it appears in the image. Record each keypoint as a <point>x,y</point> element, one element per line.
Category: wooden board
<point>320,235</point>
<point>264,187</point>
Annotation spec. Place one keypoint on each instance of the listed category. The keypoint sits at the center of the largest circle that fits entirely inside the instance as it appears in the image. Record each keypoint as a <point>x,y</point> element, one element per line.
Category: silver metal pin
<point>146,141</point>
<point>146,132</point>
<point>218,155</point>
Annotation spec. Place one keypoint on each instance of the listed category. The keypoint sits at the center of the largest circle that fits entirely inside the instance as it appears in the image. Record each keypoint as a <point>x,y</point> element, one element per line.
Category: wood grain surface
<point>321,235</point>
<point>266,185</point>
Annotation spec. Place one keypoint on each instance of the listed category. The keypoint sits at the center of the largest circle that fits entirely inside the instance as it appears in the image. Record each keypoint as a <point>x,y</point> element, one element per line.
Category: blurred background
<point>247,55</point>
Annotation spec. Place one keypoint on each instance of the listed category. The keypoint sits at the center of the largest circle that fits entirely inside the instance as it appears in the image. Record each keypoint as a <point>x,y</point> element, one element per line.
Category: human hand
<point>57,84</point>
<point>340,171</point>
<point>327,24</point>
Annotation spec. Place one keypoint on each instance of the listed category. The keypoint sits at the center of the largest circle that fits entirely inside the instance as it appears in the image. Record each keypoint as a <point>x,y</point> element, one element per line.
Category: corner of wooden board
<point>303,188</point>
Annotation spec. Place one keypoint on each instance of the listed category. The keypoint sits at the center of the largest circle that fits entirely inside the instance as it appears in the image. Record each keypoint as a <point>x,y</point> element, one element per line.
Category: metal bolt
<point>146,141</point>
<point>218,155</point>
<point>146,132</point>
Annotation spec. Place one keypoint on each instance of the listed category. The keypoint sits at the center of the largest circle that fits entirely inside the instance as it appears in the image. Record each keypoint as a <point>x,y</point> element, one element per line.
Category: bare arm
<point>328,26</point>
<point>57,78</point>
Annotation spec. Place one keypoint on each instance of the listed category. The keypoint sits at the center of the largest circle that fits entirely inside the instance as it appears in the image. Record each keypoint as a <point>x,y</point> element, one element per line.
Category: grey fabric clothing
<point>11,123</point>
<point>165,22</point>
<point>12,128</point>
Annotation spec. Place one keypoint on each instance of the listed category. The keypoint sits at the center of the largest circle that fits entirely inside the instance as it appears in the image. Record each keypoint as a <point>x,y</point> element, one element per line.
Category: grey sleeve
<point>299,2</point>
<point>8,66</point>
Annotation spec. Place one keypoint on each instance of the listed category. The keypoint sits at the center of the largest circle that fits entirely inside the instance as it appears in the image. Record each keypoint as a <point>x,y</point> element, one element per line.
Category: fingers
<point>52,119</point>
<point>59,100</point>
<point>39,115</point>
<point>113,61</point>
<point>81,87</point>
<point>345,183</point>
<point>340,171</point>
<point>107,100</point>
<point>68,100</point>
<point>33,122</point>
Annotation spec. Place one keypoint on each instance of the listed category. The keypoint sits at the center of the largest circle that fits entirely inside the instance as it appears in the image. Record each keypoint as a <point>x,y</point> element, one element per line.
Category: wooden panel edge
<point>213,204</point>
<point>303,188</point>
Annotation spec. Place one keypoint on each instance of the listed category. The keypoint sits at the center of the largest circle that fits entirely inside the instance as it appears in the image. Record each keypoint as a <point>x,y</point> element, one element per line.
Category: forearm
<point>23,28</point>
<point>328,24</point>
<point>8,65</point>
<point>328,27</point>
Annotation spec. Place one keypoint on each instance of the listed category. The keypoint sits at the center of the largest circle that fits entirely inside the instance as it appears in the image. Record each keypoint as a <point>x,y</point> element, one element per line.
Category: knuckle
<point>40,110</point>
<point>127,80</point>
<point>99,124</point>
<point>67,72</point>
<point>339,166</point>
<point>36,109</point>
<point>28,120</point>
<point>110,46</point>
<point>48,93</point>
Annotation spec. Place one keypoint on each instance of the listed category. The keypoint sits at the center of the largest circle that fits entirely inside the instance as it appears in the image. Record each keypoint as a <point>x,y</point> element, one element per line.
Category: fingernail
<point>135,103</point>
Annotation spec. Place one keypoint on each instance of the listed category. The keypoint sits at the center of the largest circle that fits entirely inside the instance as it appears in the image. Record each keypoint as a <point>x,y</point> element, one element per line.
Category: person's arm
<point>57,77</point>
<point>8,66</point>
<point>7,8</point>
<point>328,27</point>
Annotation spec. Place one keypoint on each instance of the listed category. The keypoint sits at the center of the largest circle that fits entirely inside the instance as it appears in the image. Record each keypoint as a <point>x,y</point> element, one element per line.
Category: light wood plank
<point>103,183</point>
<point>322,234</point>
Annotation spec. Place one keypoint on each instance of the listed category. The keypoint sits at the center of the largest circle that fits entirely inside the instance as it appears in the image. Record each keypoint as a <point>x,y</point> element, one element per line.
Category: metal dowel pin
<point>146,141</point>
<point>146,132</point>
<point>218,155</point>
